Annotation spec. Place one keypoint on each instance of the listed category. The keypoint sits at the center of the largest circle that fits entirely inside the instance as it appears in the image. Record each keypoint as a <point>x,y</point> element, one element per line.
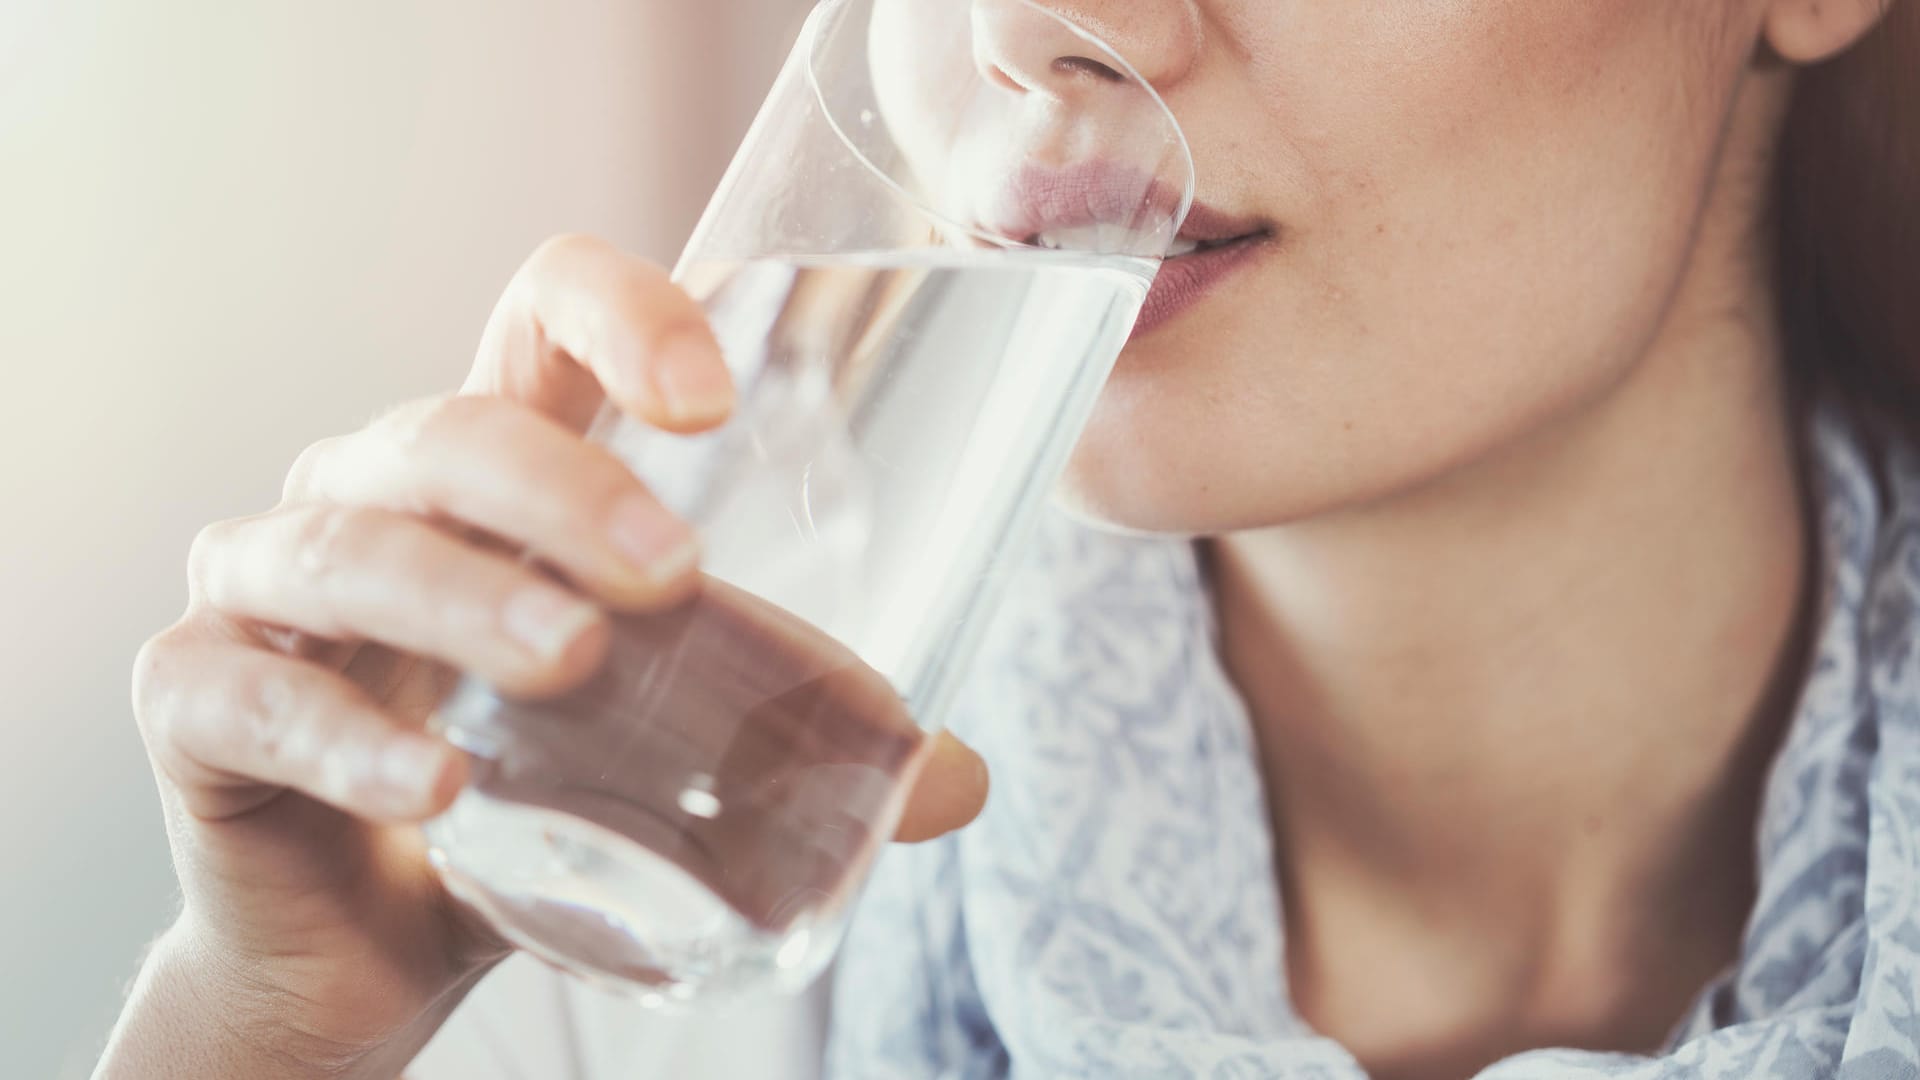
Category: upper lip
<point>1037,201</point>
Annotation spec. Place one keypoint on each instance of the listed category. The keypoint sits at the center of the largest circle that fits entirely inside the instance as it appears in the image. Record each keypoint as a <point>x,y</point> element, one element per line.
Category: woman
<point>1552,550</point>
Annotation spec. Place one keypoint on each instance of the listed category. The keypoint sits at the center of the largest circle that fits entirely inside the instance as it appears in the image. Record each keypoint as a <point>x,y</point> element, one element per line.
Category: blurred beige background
<point>227,230</point>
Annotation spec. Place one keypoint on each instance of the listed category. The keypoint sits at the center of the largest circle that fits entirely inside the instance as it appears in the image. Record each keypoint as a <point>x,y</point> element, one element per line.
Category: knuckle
<point>420,427</point>
<point>199,710</point>
<point>564,249</point>
<point>327,540</point>
<point>157,680</point>
<point>205,557</point>
<point>257,708</point>
<point>303,478</point>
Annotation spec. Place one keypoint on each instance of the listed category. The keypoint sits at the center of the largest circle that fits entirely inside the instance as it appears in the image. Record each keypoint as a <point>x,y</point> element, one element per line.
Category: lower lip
<point>1185,280</point>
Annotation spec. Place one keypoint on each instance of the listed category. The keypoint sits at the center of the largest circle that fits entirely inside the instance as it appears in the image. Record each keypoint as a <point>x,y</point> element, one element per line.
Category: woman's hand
<point>284,712</point>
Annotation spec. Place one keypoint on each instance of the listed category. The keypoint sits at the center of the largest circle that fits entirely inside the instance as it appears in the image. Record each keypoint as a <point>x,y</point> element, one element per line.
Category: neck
<point>1526,709</point>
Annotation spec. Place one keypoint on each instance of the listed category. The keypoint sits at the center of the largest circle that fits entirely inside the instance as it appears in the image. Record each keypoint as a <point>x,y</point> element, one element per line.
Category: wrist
<point>197,1012</point>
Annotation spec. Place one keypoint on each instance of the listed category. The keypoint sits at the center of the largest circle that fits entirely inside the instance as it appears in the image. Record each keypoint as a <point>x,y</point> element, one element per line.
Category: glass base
<point>594,904</point>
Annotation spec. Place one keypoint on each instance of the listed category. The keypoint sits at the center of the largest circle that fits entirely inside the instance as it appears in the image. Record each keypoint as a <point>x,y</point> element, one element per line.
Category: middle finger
<point>357,573</point>
<point>497,465</point>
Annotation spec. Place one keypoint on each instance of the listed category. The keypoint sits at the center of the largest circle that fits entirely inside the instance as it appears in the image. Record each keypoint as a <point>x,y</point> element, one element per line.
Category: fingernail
<point>655,542</point>
<point>410,769</point>
<point>692,386</point>
<point>547,620</point>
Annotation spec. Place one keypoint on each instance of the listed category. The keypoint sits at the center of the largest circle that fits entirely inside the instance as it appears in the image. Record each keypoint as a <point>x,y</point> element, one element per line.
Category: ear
<point>1809,31</point>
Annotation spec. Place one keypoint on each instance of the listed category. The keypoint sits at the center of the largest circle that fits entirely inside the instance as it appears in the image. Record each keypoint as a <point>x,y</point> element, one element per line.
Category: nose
<point>1022,48</point>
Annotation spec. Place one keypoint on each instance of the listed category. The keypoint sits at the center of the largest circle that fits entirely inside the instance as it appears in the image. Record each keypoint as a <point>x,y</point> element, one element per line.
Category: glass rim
<point>810,41</point>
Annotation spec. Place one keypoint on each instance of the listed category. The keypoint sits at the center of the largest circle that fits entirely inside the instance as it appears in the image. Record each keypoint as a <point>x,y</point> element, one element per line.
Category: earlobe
<point>1810,31</point>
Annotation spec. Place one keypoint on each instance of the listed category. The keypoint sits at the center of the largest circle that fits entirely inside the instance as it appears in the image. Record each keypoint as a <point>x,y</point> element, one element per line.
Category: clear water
<point>695,822</point>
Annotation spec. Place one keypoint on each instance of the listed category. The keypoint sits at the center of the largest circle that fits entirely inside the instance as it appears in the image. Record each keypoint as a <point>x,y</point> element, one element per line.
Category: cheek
<point>1486,207</point>
<point>1532,154</point>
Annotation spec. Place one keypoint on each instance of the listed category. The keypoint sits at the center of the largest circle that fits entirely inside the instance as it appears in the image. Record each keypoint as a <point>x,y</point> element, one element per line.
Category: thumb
<point>951,791</point>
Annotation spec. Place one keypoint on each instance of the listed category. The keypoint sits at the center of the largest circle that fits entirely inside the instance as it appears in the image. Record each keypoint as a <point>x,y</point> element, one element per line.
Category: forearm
<point>188,1019</point>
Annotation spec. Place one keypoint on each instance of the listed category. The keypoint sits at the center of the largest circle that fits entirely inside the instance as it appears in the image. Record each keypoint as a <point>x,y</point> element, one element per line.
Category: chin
<point>1166,465</point>
<point>1137,468</point>
<point>1161,454</point>
<point>1155,500</point>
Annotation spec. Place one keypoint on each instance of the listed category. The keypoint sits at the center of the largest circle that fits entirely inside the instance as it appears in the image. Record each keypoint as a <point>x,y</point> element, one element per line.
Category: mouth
<point>1211,247</point>
<point>1098,207</point>
<point>1208,229</point>
<point>1185,247</point>
<point>1209,250</point>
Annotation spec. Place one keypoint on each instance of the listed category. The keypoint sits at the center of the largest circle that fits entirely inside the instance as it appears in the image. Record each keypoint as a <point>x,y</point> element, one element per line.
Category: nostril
<point>998,76</point>
<point>1086,65</point>
<point>1064,67</point>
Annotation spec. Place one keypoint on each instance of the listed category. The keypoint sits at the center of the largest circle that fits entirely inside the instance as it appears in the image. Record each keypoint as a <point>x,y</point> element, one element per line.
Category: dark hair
<point>1850,219</point>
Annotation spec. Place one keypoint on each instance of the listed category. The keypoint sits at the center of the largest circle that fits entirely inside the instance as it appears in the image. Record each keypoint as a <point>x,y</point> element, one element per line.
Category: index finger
<point>583,322</point>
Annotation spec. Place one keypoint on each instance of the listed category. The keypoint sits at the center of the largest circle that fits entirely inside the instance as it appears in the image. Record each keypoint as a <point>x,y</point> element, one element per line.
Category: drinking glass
<point>921,267</point>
